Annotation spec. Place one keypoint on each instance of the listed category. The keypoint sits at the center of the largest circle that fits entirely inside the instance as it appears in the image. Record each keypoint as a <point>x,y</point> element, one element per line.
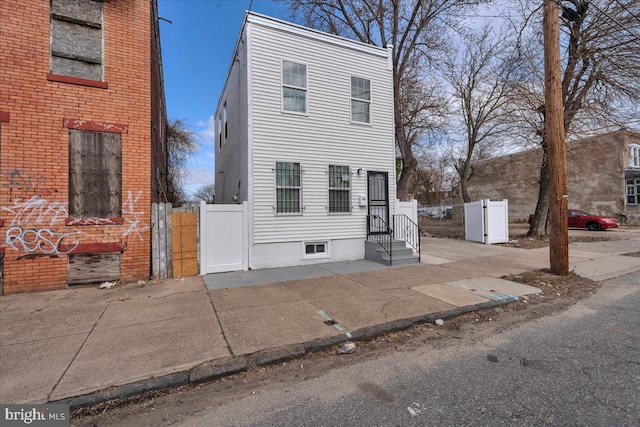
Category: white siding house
<point>305,135</point>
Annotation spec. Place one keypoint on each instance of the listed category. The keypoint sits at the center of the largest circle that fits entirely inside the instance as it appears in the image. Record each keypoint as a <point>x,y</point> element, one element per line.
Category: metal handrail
<point>384,238</point>
<point>407,230</point>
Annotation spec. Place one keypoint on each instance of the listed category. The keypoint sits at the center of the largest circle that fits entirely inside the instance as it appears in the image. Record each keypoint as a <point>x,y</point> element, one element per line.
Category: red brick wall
<point>34,147</point>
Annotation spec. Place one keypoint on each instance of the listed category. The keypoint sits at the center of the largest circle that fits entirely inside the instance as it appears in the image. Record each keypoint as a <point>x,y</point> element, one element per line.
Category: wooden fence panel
<point>161,253</point>
<point>185,242</point>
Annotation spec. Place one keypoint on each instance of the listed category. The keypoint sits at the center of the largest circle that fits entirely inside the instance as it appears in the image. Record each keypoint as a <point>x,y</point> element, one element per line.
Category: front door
<point>378,202</point>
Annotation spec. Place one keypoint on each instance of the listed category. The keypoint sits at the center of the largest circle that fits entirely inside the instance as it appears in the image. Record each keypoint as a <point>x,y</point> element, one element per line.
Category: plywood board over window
<point>76,38</point>
<point>95,174</point>
<point>93,268</point>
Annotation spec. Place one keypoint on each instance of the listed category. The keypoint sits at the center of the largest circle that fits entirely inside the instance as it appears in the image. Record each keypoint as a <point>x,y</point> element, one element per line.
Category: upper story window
<point>76,38</point>
<point>294,87</point>
<point>224,115</point>
<point>219,131</point>
<point>634,156</point>
<point>633,191</point>
<point>360,100</point>
<point>339,189</point>
<point>288,188</point>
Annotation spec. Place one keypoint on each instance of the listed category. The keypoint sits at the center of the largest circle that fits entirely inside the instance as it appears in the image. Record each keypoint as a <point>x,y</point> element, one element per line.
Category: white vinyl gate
<point>486,221</point>
<point>223,238</point>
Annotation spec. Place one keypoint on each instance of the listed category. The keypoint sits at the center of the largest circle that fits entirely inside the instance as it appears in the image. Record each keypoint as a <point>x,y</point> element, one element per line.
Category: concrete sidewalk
<point>84,345</point>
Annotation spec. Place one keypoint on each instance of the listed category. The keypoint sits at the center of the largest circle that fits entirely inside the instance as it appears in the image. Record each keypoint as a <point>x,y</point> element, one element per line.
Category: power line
<point>616,22</point>
<point>630,13</point>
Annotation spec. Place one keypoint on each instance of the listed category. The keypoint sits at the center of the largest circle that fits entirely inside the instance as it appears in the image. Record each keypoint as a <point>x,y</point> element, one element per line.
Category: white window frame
<point>353,99</point>
<point>219,133</point>
<point>317,255</point>
<point>331,189</point>
<point>305,89</point>
<point>634,155</point>
<point>224,120</point>
<point>276,187</point>
<point>632,184</point>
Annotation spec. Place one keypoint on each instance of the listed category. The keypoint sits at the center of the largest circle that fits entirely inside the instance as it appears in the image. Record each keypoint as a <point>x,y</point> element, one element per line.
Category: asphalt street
<point>579,367</point>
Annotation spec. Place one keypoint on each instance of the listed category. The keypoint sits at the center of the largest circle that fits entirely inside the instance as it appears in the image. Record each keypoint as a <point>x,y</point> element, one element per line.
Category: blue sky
<point>196,52</point>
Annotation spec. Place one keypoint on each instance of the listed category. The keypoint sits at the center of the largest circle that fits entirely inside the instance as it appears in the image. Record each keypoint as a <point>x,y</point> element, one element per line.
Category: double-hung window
<point>294,87</point>
<point>360,100</point>
<point>288,188</point>
<point>634,156</point>
<point>339,189</point>
<point>633,191</point>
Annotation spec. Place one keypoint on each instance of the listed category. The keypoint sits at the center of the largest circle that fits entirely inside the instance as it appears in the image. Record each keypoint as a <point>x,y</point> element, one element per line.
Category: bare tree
<point>480,78</point>
<point>181,143</point>
<point>600,47</point>
<point>416,29</point>
<point>206,192</point>
<point>436,177</point>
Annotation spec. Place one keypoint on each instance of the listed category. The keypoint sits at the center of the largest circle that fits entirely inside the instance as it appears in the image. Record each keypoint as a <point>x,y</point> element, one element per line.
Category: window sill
<point>93,221</point>
<point>339,213</point>
<point>288,214</point>
<point>366,124</point>
<point>295,113</point>
<point>77,81</point>
<point>94,248</point>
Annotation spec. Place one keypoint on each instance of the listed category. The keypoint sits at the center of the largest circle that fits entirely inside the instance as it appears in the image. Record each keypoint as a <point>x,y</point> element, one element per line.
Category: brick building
<point>603,177</point>
<point>82,146</point>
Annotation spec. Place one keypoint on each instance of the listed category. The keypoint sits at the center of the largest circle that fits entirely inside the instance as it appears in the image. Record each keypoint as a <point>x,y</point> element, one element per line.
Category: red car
<point>580,219</point>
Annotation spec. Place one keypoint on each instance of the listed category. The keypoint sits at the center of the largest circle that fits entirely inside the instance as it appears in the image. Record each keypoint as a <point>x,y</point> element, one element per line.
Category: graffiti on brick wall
<point>36,210</point>
<point>23,181</point>
<point>131,216</point>
<point>31,220</point>
<point>92,221</point>
<point>39,242</point>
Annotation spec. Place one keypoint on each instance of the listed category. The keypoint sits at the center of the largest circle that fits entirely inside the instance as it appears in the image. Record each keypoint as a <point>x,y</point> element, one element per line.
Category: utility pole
<point>554,128</point>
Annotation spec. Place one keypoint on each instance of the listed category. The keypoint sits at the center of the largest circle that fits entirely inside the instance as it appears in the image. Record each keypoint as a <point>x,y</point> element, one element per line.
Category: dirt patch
<point>526,242</point>
<point>169,406</point>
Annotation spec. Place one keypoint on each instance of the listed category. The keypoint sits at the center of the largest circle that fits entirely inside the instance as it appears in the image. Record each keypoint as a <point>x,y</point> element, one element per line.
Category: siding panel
<point>324,136</point>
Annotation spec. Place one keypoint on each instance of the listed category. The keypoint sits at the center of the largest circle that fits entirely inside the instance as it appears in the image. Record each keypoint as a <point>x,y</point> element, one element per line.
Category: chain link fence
<point>444,220</point>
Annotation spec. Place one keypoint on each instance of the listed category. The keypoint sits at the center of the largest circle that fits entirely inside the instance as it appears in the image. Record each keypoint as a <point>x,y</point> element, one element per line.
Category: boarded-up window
<point>76,38</point>
<point>92,268</point>
<point>95,174</point>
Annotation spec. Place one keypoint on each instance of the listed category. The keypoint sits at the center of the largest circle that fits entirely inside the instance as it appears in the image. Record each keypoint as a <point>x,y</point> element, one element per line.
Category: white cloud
<point>200,168</point>
<point>207,133</point>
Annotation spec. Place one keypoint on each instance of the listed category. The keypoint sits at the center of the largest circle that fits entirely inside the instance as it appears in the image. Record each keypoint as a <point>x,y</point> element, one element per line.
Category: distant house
<point>603,176</point>
<point>305,136</point>
<point>83,151</point>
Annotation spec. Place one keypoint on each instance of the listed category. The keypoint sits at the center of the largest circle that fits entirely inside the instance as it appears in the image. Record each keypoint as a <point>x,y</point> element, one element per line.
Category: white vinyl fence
<point>487,221</point>
<point>223,238</point>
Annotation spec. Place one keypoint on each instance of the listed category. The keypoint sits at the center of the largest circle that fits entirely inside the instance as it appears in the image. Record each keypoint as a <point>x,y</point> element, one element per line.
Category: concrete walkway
<point>97,344</point>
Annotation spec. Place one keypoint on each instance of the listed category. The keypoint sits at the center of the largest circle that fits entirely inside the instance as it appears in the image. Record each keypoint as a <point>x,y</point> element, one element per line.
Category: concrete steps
<point>400,254</point>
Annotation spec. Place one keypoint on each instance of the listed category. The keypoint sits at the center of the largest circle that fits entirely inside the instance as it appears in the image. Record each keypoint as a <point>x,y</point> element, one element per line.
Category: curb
<point>219,368</point>
<point>278,355</point>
